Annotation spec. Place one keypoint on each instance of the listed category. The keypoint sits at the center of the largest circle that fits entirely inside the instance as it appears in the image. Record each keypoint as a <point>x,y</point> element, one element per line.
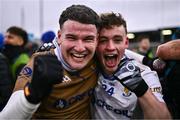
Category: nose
<point>79,46</point>
<point>110,45</point>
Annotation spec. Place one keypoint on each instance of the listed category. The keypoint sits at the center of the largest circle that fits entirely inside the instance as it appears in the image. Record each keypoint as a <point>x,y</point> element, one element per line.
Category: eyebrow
<point>117,36</point>
<point>90,37</point>
<point>69,35</point>
<point>102,37</point>
<point>87,37</point>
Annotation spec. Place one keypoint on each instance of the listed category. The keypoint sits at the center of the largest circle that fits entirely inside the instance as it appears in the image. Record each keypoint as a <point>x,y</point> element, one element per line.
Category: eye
<point>102,39</point>
<point>89,39</point>
<point>118,39</point>
<point>9,36</point>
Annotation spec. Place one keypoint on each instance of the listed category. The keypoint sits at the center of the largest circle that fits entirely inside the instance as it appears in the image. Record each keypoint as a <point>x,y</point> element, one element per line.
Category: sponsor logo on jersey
<point>156,89</point>
<point>126,92</point>
<point>104,105</point>
<point>27,71</point>
<point>62,103</point>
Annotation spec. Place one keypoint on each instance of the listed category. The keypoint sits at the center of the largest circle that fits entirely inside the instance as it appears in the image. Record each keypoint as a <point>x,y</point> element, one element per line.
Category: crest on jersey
<point>27,71</point>
<point>126,92</point>
<point>130,66</point>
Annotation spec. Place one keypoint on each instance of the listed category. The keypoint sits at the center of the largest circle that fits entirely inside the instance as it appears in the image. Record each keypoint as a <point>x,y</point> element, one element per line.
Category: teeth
<point>78,55</point>
<point>110,55</point>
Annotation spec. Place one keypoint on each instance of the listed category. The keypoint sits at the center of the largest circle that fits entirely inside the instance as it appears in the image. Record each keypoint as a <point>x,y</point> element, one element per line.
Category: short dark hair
<point>143,36</point>
<point>108,20</point>
<point>19,32</point>
<point>80,13</point>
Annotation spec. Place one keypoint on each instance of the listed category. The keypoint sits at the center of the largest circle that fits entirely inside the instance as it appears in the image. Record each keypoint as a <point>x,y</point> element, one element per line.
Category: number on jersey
<point>108,89</point>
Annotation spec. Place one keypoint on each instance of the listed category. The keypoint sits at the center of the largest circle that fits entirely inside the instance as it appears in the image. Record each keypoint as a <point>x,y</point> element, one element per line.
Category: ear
<point>59,36</point>
<point>20,41</point>
<point>126,42</point>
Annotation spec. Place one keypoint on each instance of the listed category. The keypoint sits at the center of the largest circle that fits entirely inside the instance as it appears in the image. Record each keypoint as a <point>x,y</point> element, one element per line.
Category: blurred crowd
<point>15,51</point>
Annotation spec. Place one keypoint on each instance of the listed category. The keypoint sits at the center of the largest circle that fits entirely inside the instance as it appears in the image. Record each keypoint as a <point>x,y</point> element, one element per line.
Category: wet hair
<point>19,32</point>
<point>79,13</point>
<point>108,20</point>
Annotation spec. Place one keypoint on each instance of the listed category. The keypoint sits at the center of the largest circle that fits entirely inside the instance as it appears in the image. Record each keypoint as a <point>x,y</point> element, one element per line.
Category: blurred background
<point>156,18</point>
<point>149,23</point>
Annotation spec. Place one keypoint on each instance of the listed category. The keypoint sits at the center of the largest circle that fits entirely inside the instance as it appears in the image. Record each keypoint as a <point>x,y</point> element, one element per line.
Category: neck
<point>58,53</point>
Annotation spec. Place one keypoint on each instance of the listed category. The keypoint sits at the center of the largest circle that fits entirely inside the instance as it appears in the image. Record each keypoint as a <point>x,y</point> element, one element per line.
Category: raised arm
<point>169,50</point>
<point>47,71</point>
<point>152,107</point>
<point>151,101</point>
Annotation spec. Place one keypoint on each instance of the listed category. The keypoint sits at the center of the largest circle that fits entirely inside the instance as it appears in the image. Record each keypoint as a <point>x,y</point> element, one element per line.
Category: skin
<point>78,43</point>
<point>112,42</point>
<point>169,50</point>
<point>12,39</point>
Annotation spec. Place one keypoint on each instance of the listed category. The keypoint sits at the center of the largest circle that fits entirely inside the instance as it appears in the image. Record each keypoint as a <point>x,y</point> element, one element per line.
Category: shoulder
<point>141,66</point>
<point>27,71</point>
<point>43,53</point>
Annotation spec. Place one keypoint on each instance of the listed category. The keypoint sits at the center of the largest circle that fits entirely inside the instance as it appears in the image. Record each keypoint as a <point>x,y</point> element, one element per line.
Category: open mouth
<point>110,59</point>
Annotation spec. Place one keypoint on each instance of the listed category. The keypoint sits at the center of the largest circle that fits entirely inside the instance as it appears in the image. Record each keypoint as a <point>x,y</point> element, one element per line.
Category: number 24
<point>109,90</point>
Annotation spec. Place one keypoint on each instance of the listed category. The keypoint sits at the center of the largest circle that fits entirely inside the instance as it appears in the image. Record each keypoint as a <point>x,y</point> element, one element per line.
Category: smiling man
<point>60,82</point>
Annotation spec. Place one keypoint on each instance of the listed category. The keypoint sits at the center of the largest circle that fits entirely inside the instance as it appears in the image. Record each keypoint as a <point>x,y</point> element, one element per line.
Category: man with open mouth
<point>122,81</point>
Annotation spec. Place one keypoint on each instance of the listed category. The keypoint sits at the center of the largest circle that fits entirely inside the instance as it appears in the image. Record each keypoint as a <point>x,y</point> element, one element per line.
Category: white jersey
<point>113,101</point>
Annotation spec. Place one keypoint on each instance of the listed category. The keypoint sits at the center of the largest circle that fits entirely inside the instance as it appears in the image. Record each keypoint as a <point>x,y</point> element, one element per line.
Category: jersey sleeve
<point>18,107</point>
<point>152,80</point>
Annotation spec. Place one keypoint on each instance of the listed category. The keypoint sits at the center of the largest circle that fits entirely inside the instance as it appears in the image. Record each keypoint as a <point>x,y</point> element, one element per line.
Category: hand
<point>159,65</point>
<point>47,72</point>
<point>130,76</point>
<point>155,64</point>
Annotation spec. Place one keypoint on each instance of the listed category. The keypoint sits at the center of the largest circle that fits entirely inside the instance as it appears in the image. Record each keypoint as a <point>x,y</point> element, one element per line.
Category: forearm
<point>18,107</point>
<point>169,50</point>
<point>152,108</point>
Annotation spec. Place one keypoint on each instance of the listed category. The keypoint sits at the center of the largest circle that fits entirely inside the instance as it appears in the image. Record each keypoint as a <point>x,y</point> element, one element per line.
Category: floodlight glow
<point>166,32</point>
<point>130,35</point>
